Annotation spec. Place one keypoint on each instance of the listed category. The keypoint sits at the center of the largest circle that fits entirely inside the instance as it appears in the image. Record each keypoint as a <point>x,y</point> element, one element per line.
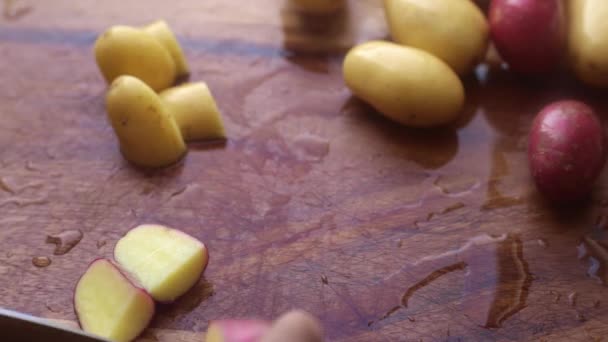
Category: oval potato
<point>148,134</point>
<point>123,50</point>
<point>588,40</point>
<point>405,84</point>
<point>456,31</point>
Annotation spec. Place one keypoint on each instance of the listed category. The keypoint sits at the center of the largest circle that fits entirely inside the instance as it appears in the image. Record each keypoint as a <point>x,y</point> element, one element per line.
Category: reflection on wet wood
<point>314,202</point>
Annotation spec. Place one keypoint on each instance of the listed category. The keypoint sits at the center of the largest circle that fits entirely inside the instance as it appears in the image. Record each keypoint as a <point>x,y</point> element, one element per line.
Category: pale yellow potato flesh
<point>456,31</point>
<point>124,50</point>
<point>319,6</point>
<point>148,134</point>
<point>407,85</point>
<point>109,305</point>
<point>165,261</point>
<point>163,33</point>
<point>195,111</point>
<point>588,40</point>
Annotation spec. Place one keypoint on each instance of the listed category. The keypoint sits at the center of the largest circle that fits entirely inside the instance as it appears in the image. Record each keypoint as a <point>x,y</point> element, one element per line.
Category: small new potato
<point>407,85</point>
<point>195,111</point>
<point>588,40</point>
<point>566,150</point>
<point>148,134</point>
<point>456,31</point>
<point>528,34</point>
<point>124,50</point>
<point>162,32</point>
<point>236,330</point>
<point>319,6</point>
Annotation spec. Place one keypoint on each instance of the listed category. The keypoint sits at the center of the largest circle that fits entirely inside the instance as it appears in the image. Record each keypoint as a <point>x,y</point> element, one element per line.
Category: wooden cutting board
<point>315,201</point>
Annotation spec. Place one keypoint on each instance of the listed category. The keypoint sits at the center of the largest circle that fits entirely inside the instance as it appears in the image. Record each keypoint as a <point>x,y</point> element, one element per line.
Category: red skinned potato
<point>528,34</point>
<point>566,150</point>
<point>236,330</point>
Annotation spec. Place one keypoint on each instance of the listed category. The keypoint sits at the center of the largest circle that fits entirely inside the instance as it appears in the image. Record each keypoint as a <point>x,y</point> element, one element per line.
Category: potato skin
<point>528,34</point>
<point>566,150</point>
<point>588,40</point>
<point>456,31</point>
<point>407,85</point>
<point>148,134</point>
<point>124,50</point>
<point>163,33</point>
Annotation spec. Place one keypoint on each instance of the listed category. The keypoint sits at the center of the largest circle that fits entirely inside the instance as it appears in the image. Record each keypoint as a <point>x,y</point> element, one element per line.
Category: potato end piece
<point>124,50</point>
<point>109,305</point>
<point>195,111</point>
<point>148,135</point>
<point>163,33</point>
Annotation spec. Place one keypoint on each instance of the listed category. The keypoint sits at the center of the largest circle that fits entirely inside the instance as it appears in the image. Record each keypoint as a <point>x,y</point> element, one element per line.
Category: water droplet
<point>23,202</point>
<point>41,261</point>
<point>31,166</point>
<point>101,243</point>
<point>310,147</point>
<point>411,319</point>
<point>580,317</point>
<point>64,241</point>
<point>51,308</point>
<point>572,298</point>
<point>324,279</point>
<point>5,186</point>
<point>595,252</point>
<point>542,242</point>
<point>456,188</point>
<point>557,295</point>
<point>400,243</point>
<point>496,261</point>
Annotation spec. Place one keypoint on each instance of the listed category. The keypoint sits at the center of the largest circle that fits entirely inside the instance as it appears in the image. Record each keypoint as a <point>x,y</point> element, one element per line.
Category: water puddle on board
<point>496,279</point>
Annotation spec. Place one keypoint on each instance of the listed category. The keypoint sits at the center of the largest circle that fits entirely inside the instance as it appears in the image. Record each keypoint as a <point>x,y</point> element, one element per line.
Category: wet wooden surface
<point>315,202</point>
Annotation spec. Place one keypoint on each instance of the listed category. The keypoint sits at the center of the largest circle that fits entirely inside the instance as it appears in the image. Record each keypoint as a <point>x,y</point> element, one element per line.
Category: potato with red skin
<point>530,35</point>
<point>566,150</point>
<point>237,330</point>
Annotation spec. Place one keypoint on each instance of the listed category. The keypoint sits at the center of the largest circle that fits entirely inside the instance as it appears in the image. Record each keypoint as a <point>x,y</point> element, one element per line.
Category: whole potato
<point>123,50</point>
<point>456,31</point>
<point>566,150</point>
<point>588,40</point>
<point>407,85</point>
<point>528,34</point>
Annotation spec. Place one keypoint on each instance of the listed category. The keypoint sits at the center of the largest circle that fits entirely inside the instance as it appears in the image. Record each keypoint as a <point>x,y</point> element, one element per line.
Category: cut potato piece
<point>109,305</point>
<point>195,111</point>
<point>165,261</point>
<point>162,32</point>
<point>148,134</point>
<point>236,330</point>
<point>124,50</point>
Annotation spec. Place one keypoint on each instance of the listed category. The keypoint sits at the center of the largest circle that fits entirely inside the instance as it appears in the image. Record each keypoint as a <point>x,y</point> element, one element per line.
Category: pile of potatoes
<point>416,80</point>
<point>152,118</point>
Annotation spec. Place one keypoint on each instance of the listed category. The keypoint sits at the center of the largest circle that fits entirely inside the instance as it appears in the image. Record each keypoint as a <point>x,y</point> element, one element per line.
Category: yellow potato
<point>456,31</point>
<point>123,50</point>
<point>319,6</point>
<point>162,32</point>
<point>195,111</point>
<point>148,134</point>
<point>588,40</point>
<point>405,84</point>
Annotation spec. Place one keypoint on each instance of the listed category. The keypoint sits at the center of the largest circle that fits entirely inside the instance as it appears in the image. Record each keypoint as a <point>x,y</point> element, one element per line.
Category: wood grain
<point>314,202</point>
